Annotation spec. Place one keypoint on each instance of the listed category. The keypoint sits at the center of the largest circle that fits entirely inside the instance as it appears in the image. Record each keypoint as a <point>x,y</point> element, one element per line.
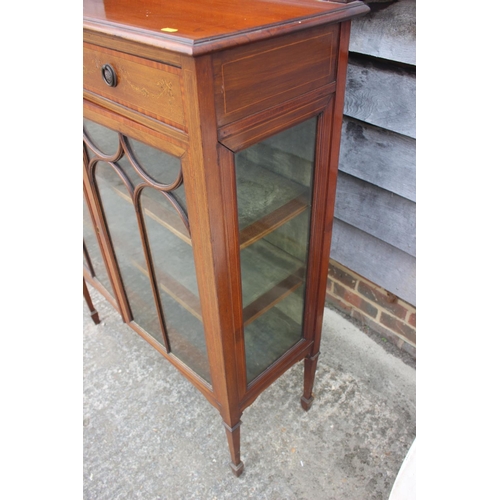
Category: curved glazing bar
<point>142,195</point>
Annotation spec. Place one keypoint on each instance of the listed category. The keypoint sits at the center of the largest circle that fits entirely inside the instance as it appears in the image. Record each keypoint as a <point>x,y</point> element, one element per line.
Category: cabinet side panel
<point>329,145</point>
<point>251,79</point>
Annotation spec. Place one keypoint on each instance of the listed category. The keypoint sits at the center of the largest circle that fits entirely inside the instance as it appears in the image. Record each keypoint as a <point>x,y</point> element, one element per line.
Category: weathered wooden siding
<point>376,211</point>
<point>379,157</point>
<point>381,94</point>
<point>392,265</point>
<point>388,32</point>
<point>375,223</point>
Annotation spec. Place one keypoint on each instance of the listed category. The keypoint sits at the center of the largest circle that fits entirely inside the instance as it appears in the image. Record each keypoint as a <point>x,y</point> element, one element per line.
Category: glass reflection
<point>104,139</point>
<point>128,200</point>
<point>121,221</point>
<point>274,189</point>
<point>160,166</point>
<point>94,252</point>
<point>176,279</point>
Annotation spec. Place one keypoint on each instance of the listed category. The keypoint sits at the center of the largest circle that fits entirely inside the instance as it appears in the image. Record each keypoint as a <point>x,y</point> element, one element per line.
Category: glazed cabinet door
<point>282,175</point>
<point>274,182</point>
<point>137,183</point>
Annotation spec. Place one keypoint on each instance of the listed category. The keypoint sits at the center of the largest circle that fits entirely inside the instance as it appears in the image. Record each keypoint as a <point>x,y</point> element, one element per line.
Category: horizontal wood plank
<point>387,32</point>
<point>272,297</point>
<point>380,157</point>
<point>375,260</point>
<point>272,221</point>
<point>382,96</point>
<point>376,211</point>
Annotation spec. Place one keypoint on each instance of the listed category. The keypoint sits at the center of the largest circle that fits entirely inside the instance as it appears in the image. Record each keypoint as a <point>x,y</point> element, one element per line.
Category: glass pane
<point>274,189</point>
<point>160,166</point>
<point>166,238</point>
<point>122,225</point>
<point>98,268</point>
<point>104,139</point>
<point>176,279</point>
<point>135,179</point>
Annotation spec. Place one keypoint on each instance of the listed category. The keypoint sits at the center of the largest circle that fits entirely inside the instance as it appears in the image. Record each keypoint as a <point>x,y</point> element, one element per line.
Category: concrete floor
<point>149,434</point>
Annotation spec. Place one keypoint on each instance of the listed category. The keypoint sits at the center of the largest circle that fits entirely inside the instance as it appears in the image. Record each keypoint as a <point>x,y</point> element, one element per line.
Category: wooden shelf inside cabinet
<point>159,213</point>
<point>276,273</point>
<point>272,274</point>
<point>266,201</point>
<point>257,221</point>
<point>216,252</point>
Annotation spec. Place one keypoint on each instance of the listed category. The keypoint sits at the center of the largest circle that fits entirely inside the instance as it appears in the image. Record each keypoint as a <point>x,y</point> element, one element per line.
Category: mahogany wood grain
<point>228,180</point>
<point>149,87</point>
<point>227,131</point>
<point>233,439</point>
<point>322,223</point>
<point>261,67</point>
<point>203,189</point>
<point>127,113</point>
<point>133,48</point>
<point>320,187</point>
<point>255,132</point>
<point>214,252</point>
<point>332,178</point>
<point>225,24</point>
<point>272,297</point>
<point>245,137</point>
<point>144,131</point>
<point>254,77</point>
<point>272,221</point>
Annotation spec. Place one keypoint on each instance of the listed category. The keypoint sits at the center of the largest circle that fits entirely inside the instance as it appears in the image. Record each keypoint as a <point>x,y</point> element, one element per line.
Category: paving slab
<point>149,434</point>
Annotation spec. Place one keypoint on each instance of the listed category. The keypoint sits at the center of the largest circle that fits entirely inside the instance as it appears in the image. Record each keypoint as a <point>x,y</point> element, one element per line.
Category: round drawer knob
<point>109,75</point>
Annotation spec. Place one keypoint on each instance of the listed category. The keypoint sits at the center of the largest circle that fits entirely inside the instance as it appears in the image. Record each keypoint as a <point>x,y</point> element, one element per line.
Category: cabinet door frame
<point>240,136</point>
<point>178,149</point>
<point>88,272</point>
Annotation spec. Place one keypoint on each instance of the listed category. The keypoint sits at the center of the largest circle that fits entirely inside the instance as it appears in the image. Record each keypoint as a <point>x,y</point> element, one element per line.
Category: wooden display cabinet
<point>211,142</point>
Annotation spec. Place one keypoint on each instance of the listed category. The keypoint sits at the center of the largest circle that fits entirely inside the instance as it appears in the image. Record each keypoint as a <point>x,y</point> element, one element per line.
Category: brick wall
<point>372,306</point>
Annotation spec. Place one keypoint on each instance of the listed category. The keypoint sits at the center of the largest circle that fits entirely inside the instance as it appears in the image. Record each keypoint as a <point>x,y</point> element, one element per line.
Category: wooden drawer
<point>255,77</point>
<point>144,86</point>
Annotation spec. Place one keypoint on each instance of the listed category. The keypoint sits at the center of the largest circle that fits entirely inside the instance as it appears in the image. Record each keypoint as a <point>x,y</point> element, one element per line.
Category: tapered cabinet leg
<point>233,440</point>
<point>310,364</point>
<point>93,313</point>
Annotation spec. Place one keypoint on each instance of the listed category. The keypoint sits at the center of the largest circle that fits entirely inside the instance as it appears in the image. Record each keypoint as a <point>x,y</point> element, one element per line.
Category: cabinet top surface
<point>198,26</point>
